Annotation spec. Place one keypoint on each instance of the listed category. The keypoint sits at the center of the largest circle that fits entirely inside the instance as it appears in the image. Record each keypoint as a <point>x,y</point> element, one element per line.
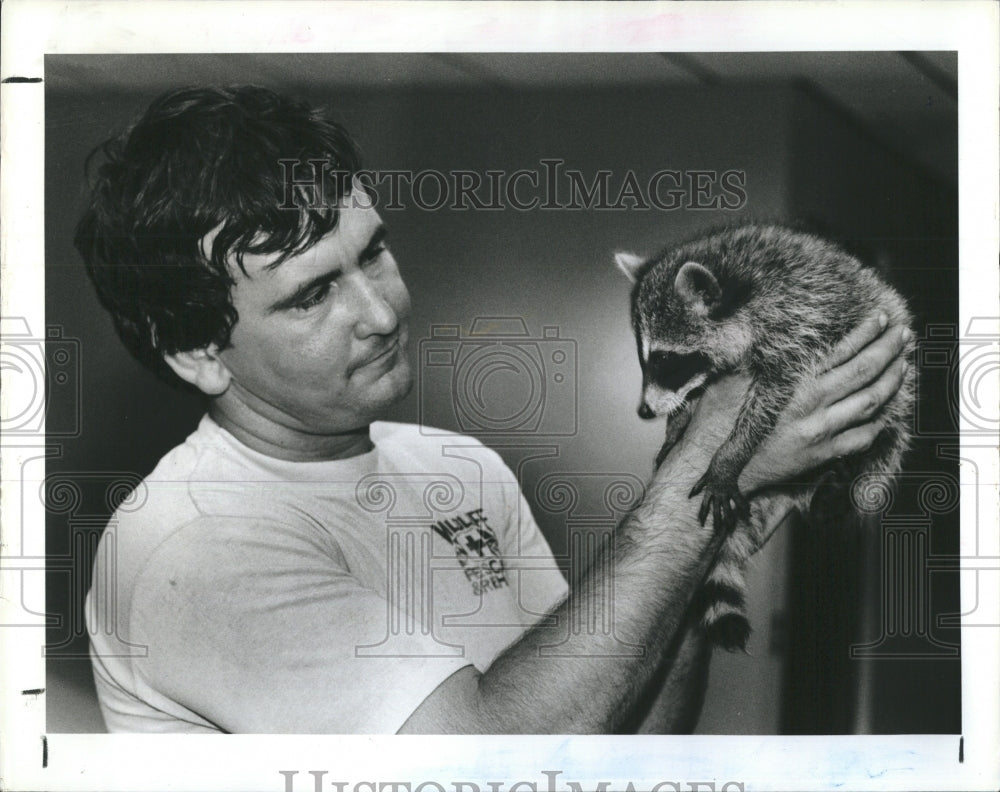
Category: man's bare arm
<point>544,683</point>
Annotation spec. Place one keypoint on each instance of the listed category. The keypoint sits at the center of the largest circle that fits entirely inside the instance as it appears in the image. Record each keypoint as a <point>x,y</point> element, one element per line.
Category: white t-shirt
<point>240,593</point>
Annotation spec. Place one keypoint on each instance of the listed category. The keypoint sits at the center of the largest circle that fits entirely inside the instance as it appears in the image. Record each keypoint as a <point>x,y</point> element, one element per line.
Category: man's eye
<point>314,298</point>
<point>373,255</point>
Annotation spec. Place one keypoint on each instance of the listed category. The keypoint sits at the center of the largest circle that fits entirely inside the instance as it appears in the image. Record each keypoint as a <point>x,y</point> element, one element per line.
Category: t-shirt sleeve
<point>541,584</point>
<point>260,628</point>
<point>527,555</point>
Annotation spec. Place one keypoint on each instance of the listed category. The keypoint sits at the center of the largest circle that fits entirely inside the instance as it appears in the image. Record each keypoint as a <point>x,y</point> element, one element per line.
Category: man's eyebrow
<point>374,243</point>
<point>301,292</point>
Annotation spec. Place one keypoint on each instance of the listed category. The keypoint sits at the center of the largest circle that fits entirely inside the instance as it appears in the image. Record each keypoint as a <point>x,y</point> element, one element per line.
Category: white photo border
<point>31,759</point>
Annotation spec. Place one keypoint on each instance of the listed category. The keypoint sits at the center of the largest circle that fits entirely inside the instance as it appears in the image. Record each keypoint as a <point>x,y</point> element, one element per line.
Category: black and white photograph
<point>619,411</point>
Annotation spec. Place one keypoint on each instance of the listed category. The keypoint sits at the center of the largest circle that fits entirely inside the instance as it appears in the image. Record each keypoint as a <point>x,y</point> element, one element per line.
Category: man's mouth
<point>387,352</point>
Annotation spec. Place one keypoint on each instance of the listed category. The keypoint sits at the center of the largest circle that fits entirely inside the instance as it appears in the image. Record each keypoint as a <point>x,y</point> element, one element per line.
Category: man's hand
<point>836,414</point>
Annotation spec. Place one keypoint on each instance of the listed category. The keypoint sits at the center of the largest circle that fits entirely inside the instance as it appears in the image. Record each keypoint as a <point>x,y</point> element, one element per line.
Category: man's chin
<point>392,387</point>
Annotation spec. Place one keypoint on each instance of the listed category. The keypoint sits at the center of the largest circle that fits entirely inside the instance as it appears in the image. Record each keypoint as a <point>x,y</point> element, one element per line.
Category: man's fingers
<point>864,367</point>
<point>858,439</point>
<point>860,337</point>
<point>864,404</point>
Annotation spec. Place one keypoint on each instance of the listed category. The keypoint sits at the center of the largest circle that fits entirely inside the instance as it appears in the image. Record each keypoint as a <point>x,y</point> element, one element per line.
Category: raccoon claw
<point>724,501</point>
<point>699,486</point>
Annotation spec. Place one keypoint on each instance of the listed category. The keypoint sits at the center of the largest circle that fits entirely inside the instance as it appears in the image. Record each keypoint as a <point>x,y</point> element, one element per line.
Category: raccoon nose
<point>644,412</point>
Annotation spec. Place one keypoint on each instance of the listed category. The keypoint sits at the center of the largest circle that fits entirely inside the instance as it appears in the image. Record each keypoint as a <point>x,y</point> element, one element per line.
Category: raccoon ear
<point>629,263</point>
<point>697,287</point>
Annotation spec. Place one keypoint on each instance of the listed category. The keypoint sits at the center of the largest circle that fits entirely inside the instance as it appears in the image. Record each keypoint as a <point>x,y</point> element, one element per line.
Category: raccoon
<point>770,302</point>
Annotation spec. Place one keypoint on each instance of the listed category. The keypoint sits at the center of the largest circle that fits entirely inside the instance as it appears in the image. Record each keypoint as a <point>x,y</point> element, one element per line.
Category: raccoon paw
<point>724,500</point>
<point>731,632</point>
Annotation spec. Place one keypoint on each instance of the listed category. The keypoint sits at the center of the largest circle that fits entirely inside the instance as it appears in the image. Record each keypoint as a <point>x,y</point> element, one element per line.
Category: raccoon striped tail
<point>723,593</point>
<point>724,598</point>
<point>724,590</point>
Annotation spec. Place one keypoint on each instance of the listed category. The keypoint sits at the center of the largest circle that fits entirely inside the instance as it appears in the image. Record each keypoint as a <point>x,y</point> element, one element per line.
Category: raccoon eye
<point>671,370</point>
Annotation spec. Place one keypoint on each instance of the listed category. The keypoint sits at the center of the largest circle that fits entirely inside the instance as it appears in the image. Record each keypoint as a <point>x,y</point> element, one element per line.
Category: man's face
<point>320,344</point>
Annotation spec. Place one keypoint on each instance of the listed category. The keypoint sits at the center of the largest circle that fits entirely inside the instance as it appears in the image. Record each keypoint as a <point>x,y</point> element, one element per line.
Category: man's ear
<point>203,368</point>
<point>697,287</point>
<point>629,263</point>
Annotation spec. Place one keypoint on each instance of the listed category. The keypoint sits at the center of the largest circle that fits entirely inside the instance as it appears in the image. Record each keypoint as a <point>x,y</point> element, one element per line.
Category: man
<point>297,565</point>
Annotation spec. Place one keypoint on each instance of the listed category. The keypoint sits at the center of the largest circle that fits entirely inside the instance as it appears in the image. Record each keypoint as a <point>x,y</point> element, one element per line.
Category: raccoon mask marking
<point>669,379</point>
<point>773,303</point>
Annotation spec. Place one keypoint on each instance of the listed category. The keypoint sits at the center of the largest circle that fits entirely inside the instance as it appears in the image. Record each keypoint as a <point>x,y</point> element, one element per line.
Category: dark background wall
<point>804,157</point>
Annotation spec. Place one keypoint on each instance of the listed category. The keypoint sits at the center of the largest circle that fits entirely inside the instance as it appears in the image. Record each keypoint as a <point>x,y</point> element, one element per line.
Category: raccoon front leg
<point>676,425</point>
<point>754,422</point>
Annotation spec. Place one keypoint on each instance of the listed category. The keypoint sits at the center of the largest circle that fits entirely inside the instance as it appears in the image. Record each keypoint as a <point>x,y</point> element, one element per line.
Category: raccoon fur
<point>770,302</point>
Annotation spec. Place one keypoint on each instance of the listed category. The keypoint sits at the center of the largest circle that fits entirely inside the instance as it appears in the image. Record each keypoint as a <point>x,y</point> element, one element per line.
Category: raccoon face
<point>674,319</point>
<point>669,379</point>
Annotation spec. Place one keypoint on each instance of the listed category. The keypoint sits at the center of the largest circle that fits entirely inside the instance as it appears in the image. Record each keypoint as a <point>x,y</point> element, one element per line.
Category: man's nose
<point>375,315</point>
<point>644,411</point>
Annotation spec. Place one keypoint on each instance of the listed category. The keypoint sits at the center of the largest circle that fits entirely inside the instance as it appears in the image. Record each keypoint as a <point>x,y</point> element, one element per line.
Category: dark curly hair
<point>198,159</point>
